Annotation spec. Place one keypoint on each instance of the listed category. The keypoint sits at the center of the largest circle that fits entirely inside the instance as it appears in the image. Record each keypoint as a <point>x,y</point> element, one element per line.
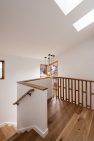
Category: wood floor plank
<point>2,137</point>
<point>91,133</point>
<point>6,132</point>
<point>80,131</point>
<point>14,137</point>
<point>66,132</point>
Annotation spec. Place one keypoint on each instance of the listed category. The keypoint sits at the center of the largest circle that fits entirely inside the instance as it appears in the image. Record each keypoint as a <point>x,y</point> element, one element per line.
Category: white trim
<point>12,123</point>
<point>3,124</point>
<point>40,132</point>
<point>9,124</point>
<point>34,127</point>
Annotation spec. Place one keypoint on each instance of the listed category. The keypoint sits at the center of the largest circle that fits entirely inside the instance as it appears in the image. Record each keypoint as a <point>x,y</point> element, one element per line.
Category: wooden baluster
<point>78,93</point>
<point>69,90</point>
<point>82,94</point>
<point>60,89</point>
<point>63,89</point>
<point>86,94</point>
<point>53,86</point>
<point>90,95</point>
<point>57,95</point>
<point>66,89</point>
<point>75,89</point>
<point>73,92</point>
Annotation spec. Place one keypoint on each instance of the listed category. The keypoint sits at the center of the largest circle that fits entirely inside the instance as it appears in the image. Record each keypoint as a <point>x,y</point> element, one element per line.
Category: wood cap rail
<point>33,85</point>
<point>27,93</point>
<point>73,78</point>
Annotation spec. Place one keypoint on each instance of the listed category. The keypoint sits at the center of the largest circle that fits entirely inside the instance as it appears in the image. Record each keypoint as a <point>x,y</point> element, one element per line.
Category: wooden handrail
<point>33,85</point>
<point>27,93</point>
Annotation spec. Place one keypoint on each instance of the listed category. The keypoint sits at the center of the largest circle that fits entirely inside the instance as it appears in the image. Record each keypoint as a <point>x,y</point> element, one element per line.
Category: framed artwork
<point>49,70</point>
<point>43,70</point>
<point>52,69</point>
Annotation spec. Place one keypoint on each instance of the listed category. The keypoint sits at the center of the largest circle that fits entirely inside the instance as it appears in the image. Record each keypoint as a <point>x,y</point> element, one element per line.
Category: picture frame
<point>49,70</point>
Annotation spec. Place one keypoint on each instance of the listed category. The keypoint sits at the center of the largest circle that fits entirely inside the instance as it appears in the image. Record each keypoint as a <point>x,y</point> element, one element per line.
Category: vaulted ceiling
<point>34,28</point>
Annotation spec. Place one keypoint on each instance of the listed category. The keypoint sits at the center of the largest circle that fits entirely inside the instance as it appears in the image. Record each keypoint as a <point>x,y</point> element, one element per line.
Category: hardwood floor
<point>66,122</point>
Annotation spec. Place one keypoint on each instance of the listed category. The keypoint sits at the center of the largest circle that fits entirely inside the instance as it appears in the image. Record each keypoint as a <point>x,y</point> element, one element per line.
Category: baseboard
<point>3,124</point>
<point>9,124</point>
<point>35,128</point>
<point>41,133</point>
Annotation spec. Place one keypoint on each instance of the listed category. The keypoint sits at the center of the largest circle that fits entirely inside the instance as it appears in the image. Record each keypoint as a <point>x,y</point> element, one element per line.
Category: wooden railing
<point>26,83</point>
<point>78,91</point>
<point>27,93</point>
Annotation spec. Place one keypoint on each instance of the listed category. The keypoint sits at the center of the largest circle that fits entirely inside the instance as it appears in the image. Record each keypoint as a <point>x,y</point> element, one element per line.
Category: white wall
<point>32,110</point>
<point>78,62</point>
<point>16,69</point>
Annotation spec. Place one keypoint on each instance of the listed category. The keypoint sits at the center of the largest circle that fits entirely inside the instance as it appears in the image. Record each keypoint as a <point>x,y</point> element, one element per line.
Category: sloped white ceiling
<point>34,28</point>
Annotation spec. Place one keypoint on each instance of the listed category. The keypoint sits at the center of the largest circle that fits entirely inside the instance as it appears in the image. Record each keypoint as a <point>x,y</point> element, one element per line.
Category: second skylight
<point>67,5</point>
<point>84,21</point>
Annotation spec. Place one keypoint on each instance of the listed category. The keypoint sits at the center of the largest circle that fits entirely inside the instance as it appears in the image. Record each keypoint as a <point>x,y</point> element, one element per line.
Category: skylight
<point>84,21</point>
<point>67,5</point>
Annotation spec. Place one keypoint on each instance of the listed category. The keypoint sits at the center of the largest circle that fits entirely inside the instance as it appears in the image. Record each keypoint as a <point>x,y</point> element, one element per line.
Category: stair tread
<point>6,132</point>
<point>14,137</point>
<point>27,136</point>
<point>2,137</point>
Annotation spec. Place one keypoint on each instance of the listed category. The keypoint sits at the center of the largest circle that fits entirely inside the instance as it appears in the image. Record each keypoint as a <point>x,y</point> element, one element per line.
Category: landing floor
<point>66,122</point>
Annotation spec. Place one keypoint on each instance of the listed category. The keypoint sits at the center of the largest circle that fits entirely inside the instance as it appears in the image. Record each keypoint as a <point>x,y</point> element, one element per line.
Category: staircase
<point>6,132</point>
<point>26,136</point>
